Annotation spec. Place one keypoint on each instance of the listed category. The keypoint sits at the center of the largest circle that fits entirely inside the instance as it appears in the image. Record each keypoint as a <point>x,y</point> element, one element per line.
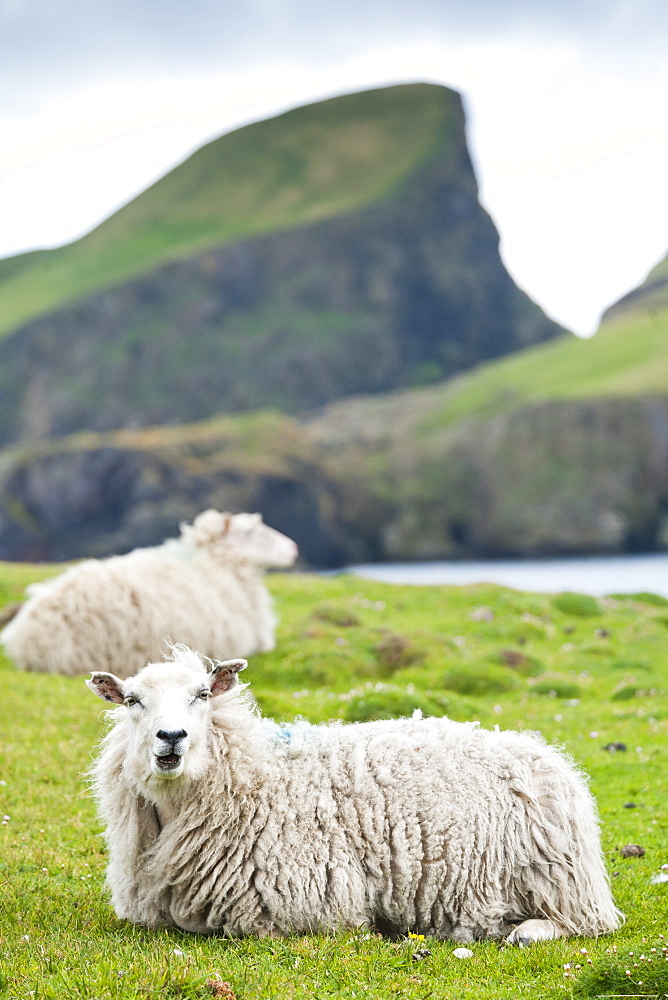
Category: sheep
<point>205,589</point>
<point>220,821</point>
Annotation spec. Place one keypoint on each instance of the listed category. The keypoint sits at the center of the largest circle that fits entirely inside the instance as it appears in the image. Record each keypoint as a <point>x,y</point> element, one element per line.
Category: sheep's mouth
<point>168,761</point>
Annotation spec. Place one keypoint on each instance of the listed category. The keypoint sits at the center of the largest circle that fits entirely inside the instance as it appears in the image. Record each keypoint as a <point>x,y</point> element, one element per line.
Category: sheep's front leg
<point>530,931</point>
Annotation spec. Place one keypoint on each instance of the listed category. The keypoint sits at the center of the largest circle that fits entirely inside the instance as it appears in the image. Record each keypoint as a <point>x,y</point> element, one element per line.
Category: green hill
<point>627,357</point>
<point>307,165</point>
<point>650,296</point>
<point>337,249</point>
<point>562,448</point>
<point>326,257</point>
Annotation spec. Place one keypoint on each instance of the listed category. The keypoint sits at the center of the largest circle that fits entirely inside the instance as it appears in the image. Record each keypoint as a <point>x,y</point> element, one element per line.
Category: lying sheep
<point>204,589</point>
<point>220,821</point>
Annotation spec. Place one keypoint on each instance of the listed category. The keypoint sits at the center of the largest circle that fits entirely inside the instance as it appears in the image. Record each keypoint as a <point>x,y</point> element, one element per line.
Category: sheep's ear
<point>226,522</point>
<point>223,676</point>
<point>107,686</point>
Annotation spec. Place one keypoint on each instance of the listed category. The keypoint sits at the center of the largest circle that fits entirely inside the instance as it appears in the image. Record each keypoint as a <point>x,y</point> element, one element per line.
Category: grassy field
<point>585,673</point>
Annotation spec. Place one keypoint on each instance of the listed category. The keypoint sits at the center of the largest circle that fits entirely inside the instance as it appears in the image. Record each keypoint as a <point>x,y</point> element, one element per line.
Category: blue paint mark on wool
<point>292,736</point>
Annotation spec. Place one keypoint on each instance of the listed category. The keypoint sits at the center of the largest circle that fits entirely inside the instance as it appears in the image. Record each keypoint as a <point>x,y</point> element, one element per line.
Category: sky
<point>566,102</point>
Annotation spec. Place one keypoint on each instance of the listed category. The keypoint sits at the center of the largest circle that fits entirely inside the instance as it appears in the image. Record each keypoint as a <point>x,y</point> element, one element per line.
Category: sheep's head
<point>243,537</point>
<point>167,712</point>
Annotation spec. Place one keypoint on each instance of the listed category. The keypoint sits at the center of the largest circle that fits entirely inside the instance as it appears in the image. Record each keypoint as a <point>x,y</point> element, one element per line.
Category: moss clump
<point>580,605</point>
<point>557,688</point>
<point>336,614</point>
<point>384,701</point>
<point>395,651</point>
<point>629,691</point>
<point>521,663</point>
<point>479,680</point>
<point>645,597</point>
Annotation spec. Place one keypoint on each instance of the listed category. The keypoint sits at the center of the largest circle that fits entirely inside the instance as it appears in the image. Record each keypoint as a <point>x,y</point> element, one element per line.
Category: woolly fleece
<point>425,825</point>
<point>204,589</point>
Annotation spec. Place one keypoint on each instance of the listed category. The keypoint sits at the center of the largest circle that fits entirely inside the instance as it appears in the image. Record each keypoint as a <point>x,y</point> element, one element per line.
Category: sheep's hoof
<point>530,931</point>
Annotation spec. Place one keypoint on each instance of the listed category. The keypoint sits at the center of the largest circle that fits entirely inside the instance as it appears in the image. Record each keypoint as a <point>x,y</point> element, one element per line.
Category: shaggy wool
<point>425,825</point>
<point>205,589</point>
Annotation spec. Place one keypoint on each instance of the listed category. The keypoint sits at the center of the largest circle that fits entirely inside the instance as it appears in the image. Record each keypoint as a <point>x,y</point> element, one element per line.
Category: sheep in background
<point>204,589</point>
<point>220,821</point>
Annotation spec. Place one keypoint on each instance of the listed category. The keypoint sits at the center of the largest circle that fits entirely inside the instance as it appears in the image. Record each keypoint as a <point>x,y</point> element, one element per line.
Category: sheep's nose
<point>171,735</point>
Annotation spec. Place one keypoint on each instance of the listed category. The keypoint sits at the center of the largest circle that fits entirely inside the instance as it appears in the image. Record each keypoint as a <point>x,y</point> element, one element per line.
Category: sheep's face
<point>245,535</point>
<point>167,714</point>
<point>259,544</point>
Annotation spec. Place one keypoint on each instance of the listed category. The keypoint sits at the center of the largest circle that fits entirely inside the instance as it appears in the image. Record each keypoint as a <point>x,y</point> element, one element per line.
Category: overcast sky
<point>567,105</point>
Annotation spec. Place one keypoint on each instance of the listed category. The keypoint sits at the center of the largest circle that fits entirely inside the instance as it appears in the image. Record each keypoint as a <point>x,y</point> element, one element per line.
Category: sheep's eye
<point>130,701</point>
<point>204,695</point>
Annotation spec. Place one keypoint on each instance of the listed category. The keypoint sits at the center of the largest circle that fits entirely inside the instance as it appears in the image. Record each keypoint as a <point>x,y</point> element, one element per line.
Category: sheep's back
<point>119,614</point>
<point>404,815</point>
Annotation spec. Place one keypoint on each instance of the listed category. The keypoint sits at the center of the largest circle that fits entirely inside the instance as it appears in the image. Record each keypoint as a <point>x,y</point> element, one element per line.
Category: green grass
<point>627,357</point>
<point>353,649</point>
<point>310,164</point>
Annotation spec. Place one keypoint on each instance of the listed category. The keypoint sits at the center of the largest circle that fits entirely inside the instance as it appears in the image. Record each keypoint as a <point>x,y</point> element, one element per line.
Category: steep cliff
<point>552,451</point>
<point>339,249</point>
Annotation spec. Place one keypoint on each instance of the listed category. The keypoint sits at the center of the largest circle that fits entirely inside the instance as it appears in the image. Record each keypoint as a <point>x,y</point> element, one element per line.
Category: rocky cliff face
<point>98,494</point>
<point>402,293</point>
<point>395,291</point>
<point>555,478</point>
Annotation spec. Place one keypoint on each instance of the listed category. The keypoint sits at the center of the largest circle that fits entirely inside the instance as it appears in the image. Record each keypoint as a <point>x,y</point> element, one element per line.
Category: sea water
<point>595,575</point>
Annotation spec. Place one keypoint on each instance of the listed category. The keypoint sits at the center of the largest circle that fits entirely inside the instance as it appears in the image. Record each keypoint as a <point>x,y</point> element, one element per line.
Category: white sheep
<point>218,820</point>
<point>205,589</point>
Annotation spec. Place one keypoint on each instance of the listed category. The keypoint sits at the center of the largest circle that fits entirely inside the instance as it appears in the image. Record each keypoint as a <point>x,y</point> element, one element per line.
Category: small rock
<point>659,879</point>
<point>462,953</point>
<point>421,954</point>
<point>632,851</point>
<point>630,805</point>
<point>615,747</point>
<point>481,614</point>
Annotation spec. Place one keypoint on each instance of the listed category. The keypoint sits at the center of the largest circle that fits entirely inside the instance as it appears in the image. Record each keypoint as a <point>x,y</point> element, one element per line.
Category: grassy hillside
<point>307,165</point>
<point>585,673</point>
<point>561,448</point>
<point>650,296</point>
<point>627,357</point>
